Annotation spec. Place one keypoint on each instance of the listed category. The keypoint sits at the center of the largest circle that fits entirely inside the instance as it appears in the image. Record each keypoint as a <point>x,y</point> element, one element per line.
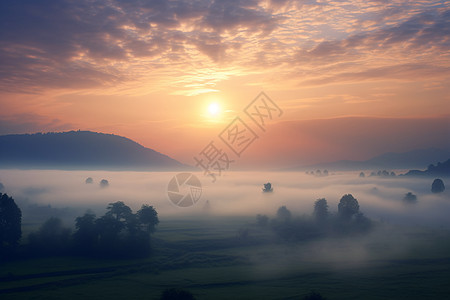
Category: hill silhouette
<point>419,158</point>
<point>440,169</point>
<point>80,150</point>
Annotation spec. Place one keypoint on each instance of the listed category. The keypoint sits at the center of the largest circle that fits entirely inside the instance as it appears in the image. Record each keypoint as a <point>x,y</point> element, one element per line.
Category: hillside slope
<point>80,150</point>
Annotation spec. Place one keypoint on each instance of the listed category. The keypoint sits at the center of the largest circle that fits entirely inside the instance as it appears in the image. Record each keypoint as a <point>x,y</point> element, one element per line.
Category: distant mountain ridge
<point>419,158</point>
<point>440,169</point>
<point>80,150</point>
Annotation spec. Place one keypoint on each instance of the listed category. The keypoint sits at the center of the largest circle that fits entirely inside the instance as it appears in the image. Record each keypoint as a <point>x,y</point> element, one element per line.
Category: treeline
<point>348,221</point>
<point>380,173</point>
<point>10,226</point>
<point>318,173</point>
<point>119,233</point>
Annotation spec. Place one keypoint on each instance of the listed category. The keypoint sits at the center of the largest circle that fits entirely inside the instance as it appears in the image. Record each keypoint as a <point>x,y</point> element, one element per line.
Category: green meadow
<point>213,259</point>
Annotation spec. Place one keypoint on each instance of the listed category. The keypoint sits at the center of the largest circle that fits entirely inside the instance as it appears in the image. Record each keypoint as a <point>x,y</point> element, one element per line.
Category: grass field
<point>208,258</point>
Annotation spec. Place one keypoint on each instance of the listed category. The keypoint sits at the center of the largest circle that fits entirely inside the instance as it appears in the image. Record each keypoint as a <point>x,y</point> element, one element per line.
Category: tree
<point>283,213</point>
<point>89,180</point>
<point>86,236</point>
<point>267,187</point>
<point>10,223</point>
<point>176,294</point>
<point>108,227</point>
<point>348,206</point>
<point>118,210</point>
<point>121,233</point>
<point>2,187</point>
<point>437,186</point>
<point>321,210</point>
<point>410,198</point>
<point>104,183</point>
<point>52,238</point>
<point>362,175</point>
<point>149,217</point>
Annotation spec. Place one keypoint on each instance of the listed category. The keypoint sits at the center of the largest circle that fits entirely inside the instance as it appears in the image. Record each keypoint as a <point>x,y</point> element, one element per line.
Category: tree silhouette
<point>124,234</point>
<point>283,213</point>
<point>104,183</point>
<point>2,187</point>
<point>321,210</point>
<point>52,238</point>
<point>349,221</point>
<point>108,229</point>
<point>282,224</point>
<point>118,210</point>
<point>362,175</point>
<point>267,187</point>
<point>85,237</point>
<point>89,180</point>
<point>149,217</point>
<point>119,234</point>
<point>410,198</point>
<point>437,186</point>
<point>10,224</point>
<point>348,206</point>
<point>109,239</point>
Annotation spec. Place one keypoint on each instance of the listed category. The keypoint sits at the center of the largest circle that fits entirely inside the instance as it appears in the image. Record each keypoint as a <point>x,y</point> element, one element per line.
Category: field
<point>213,261</point>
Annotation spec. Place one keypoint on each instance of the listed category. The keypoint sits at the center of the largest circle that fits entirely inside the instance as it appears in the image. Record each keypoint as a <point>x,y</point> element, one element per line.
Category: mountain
<point>420,158</point>
<point>440,169</point>
<point>80,150</point>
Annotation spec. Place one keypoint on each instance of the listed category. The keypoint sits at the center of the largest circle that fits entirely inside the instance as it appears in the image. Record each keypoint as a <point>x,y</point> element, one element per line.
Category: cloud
<point>421,31</point>
<point>84,44</point>
<point>409,48</point>
<point>227,15</point>
<point>91,44</point>
<point>403,72</point>
<point>211,45</point>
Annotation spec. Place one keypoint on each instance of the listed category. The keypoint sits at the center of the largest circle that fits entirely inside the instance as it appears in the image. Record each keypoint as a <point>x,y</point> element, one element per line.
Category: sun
<point>214,109</point>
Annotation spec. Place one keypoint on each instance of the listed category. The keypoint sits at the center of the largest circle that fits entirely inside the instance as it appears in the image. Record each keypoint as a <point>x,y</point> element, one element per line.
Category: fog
<point>406,238</point>
<point>233,194</point>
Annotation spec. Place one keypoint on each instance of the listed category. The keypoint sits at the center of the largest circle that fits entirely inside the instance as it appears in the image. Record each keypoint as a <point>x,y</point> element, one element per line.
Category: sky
<point>350,79</point>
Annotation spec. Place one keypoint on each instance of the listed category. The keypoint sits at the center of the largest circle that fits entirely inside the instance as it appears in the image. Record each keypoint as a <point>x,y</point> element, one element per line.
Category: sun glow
<point>214,109</point>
